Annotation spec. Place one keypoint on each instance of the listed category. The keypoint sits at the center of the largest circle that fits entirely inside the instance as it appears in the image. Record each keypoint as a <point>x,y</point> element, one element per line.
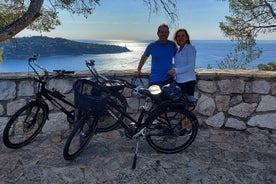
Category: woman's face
<point>181,38</point>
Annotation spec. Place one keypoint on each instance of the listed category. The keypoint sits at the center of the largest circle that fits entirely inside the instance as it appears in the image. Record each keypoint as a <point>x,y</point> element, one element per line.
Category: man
<point>162,52</point>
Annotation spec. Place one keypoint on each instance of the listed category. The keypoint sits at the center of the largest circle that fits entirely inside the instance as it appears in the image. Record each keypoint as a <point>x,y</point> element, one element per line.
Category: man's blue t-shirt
<point>161,59</point>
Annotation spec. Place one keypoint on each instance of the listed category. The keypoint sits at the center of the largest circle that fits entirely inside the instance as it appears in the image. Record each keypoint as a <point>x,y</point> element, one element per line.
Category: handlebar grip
<point>69,72</point>
<point>33,58</point>
<point>91,62</point>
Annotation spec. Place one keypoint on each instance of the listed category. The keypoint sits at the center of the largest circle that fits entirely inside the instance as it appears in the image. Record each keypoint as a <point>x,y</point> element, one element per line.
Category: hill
<point>46,46</point>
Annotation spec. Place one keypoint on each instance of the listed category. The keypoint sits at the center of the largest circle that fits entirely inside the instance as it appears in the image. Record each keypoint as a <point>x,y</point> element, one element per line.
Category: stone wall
<point>226,99</point>
<point>237,99</point>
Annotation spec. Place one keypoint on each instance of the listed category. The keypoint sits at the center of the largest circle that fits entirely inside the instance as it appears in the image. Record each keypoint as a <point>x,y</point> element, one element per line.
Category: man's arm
<point>141,64</point>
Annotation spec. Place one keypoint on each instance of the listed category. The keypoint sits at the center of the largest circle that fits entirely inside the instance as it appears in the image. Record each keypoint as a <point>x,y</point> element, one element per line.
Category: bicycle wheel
<point>79,137</point>
<point>107,121</point>
<point>25,124</point>
<point>165,130</point>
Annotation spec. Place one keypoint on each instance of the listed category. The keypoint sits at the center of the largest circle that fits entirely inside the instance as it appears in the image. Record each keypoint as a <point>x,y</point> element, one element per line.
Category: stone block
<point>206,105</point>
<point>243,110</point>
<point>230,86</point>
<point>235,124</point>
<point>216,121</point>
<point>267,103</point>
<point>2,110</point>
<point>3,122</point>
<point>258,86</point>
<point>235,99</point>
<point>8,90</point>
<point>61,85</point>
<point>207,86</point>
<point>267,120</point>
<point>222,102</point>
<point>250,98</point>
<point>14,106</point>
<point>25,88</point>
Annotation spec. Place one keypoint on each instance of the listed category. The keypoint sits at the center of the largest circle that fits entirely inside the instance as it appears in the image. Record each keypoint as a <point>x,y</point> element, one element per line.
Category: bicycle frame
<point>135,128</point>
<point>54,97</point>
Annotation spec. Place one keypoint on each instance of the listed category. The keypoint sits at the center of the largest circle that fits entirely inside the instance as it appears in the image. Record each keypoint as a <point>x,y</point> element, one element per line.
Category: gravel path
<point>216,156</point>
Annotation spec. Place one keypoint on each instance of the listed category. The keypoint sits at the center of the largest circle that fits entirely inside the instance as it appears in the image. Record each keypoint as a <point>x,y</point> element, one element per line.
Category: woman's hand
<point>171,71</point>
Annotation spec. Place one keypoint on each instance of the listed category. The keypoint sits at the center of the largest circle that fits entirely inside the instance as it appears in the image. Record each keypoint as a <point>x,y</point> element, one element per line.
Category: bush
<point>271,66</point>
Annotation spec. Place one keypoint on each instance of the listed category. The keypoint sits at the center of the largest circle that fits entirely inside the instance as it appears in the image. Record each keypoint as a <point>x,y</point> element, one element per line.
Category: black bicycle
<point>160,121</point>
<point>116,87</point>
<point>29,120</point>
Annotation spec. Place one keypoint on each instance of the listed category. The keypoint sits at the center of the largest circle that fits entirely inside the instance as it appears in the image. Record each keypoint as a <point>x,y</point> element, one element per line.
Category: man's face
<point>163,34</point>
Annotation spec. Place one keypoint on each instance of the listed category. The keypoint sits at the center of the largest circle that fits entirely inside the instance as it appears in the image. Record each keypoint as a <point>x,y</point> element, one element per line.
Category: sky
<point>130,20</point>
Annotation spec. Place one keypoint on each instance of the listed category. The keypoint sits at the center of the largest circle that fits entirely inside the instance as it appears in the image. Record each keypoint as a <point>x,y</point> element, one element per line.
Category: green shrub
<point>271,66</point>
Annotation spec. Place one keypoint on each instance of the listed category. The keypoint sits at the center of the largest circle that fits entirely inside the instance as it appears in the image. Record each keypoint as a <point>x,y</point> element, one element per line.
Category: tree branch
<point>18,25</point>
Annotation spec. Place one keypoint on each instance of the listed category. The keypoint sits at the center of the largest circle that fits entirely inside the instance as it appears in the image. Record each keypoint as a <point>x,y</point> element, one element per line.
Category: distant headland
<point>45,46</point>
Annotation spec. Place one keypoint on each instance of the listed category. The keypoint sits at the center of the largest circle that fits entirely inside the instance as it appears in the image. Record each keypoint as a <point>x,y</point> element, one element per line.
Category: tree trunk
<point>18,25</point>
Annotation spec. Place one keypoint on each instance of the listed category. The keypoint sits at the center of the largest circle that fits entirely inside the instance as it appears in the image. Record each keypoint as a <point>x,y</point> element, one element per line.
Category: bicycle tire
<point>25,125</point>
<point>80,136</point>
<point>107,122</point>
<point>164,135</point>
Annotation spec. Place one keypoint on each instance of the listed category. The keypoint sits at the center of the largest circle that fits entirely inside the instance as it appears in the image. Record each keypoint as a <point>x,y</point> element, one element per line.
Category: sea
<point>209,54</point>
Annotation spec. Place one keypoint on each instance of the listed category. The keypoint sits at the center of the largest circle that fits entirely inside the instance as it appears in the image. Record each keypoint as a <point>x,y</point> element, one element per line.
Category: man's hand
<point>137,73</point>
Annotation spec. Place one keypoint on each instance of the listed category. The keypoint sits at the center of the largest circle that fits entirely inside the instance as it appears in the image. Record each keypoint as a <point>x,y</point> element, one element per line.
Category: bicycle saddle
<point>154,91</point>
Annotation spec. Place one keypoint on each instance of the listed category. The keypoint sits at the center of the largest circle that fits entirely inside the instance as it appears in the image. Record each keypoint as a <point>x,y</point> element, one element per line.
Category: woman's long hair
<point>185,31</point>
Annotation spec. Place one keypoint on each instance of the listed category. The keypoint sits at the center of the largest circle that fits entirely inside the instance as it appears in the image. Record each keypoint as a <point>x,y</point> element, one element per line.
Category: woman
<point>184,70</point>
<point>184,60</point>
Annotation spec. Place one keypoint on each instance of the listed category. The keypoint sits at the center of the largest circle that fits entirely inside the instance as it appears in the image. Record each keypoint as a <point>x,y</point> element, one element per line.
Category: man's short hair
<point>163,25</point>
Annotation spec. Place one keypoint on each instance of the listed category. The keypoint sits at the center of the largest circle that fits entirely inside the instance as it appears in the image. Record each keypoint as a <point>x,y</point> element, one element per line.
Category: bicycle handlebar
<point>90,65</point>
<point>62,72</point>
<point>33,60</point>
<point>91,62</point>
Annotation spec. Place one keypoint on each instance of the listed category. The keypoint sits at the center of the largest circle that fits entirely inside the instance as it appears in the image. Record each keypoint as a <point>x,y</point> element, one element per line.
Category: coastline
<point>209,52</point>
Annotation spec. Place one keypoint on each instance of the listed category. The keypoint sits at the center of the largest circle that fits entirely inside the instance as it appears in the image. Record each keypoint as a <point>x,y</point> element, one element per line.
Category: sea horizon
<point>209,53</point>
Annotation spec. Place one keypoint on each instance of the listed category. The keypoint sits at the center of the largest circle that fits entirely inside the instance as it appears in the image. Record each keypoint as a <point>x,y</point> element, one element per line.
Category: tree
<point>42,15</point>
<point>249,19</point>
<point>245,51</point>
<point>271,66</point>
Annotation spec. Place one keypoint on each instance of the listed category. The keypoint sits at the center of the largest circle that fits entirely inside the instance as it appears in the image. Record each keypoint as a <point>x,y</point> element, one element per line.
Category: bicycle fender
<point>179,105</point>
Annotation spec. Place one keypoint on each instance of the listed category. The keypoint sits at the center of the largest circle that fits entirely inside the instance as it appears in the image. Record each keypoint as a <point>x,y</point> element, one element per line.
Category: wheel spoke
<point>24,125</point>
<point>165,131</point>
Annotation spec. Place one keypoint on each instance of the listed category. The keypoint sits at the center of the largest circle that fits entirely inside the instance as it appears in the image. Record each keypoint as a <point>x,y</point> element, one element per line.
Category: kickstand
<point>136,152</point>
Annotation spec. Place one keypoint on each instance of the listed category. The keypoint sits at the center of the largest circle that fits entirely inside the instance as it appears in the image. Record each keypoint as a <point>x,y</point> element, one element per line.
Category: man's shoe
<point>185,131</point>
<point>158,125</point>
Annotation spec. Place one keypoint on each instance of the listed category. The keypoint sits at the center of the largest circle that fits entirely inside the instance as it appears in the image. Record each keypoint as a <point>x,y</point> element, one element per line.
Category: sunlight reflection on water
<point>208,53</point>
<point>126,60</point>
